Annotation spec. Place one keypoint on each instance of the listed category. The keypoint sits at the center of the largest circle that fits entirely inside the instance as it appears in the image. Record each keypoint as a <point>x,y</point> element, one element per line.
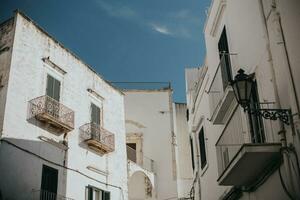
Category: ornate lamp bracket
<point>283,115</point>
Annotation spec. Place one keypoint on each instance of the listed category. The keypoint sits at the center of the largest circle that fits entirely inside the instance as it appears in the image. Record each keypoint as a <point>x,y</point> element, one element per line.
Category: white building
<point>239,155</point>
<point>61,124</point>
<point>150,144</point>
<point>184,171</point>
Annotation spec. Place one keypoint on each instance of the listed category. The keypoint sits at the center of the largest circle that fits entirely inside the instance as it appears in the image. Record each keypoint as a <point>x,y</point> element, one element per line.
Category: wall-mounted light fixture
<point>243,88</point>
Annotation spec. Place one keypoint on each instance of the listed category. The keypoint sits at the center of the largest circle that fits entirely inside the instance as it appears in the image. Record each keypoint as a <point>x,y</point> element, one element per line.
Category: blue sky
<point>125,40</point>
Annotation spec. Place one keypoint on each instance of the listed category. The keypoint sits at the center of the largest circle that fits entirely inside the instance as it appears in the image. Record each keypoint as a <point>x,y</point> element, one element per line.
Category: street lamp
<point>243,87</point>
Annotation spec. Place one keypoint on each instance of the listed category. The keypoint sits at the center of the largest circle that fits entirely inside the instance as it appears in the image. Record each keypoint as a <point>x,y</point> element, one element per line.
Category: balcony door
<point>53,91</point>
<point>95,122</point>
<point>256,122</point>
<point>224,59</point>
<point>53,88</point>
<point>49,183</point>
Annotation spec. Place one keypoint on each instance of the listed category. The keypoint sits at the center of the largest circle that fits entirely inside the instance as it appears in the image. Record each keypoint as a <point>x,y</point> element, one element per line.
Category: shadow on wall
<point>21,169</point>
<point>45,126</point>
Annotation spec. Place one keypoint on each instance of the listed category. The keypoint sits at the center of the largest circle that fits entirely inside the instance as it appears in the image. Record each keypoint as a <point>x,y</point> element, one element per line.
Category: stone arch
<point>140,186</point>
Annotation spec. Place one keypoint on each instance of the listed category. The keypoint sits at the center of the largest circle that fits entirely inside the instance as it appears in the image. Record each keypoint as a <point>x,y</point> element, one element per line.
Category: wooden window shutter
<point>56,91</point>
<point>53,88</point>
<point>106,195</point>
<point>95,114</point>
<point>90,193</point>
<point>49,90</point>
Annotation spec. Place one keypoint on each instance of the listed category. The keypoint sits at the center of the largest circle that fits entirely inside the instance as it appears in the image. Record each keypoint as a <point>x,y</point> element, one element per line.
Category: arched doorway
<point>140,187</point>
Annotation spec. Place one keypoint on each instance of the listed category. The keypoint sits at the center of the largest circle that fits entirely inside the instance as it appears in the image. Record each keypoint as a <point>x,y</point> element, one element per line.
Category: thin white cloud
<point>161,29</point>
<point>181,24</point>
<point>120,11</point>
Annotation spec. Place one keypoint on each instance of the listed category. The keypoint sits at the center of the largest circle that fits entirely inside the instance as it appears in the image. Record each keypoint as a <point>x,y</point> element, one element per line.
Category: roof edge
<point>18,11</point>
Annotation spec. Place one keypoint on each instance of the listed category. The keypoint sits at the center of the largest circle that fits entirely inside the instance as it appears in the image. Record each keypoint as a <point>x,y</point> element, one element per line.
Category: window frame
<point>192,153</point>
<point>202,150</point>
<point>227,70</point>
<point>256,122</point>
<point>101,192</point>
<point>100,113</point>
<point>55,79</point>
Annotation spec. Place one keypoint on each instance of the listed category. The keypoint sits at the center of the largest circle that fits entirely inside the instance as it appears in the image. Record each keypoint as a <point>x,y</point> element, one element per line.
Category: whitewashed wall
<point>27,81</point>
<point>260,51</point>
<point>183,151</point>
<point>152,110</point>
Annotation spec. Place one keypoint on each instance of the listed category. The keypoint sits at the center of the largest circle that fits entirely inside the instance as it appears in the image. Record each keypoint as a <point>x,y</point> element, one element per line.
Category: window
<point>53,88</point>
<point>256,122</point>
<point>131,151</point>
<point>225,59</point>
<point>93,193</point>
<point>202,148</point>
<point>192,153</point>
<point>187,115</point>
<point>49,183</point>
<point>95,114</point>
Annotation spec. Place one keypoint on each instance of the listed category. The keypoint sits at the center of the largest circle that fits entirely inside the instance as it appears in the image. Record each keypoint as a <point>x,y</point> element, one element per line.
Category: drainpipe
<point>173,137</point>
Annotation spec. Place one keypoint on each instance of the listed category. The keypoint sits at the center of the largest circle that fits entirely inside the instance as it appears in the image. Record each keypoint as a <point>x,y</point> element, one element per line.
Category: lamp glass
<point>242,87</point>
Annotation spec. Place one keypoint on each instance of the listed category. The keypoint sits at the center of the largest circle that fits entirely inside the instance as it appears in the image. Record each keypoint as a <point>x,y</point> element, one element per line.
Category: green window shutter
<point>106,195</point>
<point>95,114</point>
<point>56,91</point>
<point>90,193</point>
<point>50,84</point>
<point>53,88</point>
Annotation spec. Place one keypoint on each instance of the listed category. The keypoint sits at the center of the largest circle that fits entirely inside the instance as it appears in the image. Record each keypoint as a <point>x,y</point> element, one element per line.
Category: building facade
<point>238,154</point>
<point>184,171</point>
<point>61,124</point>
<point>150,143</point>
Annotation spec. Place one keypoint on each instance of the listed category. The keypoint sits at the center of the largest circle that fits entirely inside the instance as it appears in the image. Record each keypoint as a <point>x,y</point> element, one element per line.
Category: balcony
<point>240,161</point>
<point>97,138</point>
<point>143,161</point>
<point>141,175</point>
<point>50,111</point>
<point>46,195</point>
<point>220,92</point>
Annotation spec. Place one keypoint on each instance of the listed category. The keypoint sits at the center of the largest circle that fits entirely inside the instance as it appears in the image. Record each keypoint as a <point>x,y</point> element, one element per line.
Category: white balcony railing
<point>143,161</point>
<point>236,151</point>
<point>231,140</point>
<point>220,92</point>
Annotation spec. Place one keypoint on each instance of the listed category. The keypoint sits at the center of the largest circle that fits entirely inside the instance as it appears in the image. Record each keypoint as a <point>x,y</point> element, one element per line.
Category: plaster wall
<point>258,51</point>
<point>6,44</point>
<point>28,80</point>
<point>149,113</point>
<point>182,150</point>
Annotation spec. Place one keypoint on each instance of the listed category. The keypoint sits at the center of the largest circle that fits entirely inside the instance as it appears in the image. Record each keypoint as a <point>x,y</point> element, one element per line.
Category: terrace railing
<point>144,162</point>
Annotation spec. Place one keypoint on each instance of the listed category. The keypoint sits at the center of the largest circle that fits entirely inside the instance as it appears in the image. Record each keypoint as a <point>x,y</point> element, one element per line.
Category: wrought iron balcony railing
<point>98,138</point>
<point>143,161</point>
<point>47,109</point>
<point>46,195</point>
